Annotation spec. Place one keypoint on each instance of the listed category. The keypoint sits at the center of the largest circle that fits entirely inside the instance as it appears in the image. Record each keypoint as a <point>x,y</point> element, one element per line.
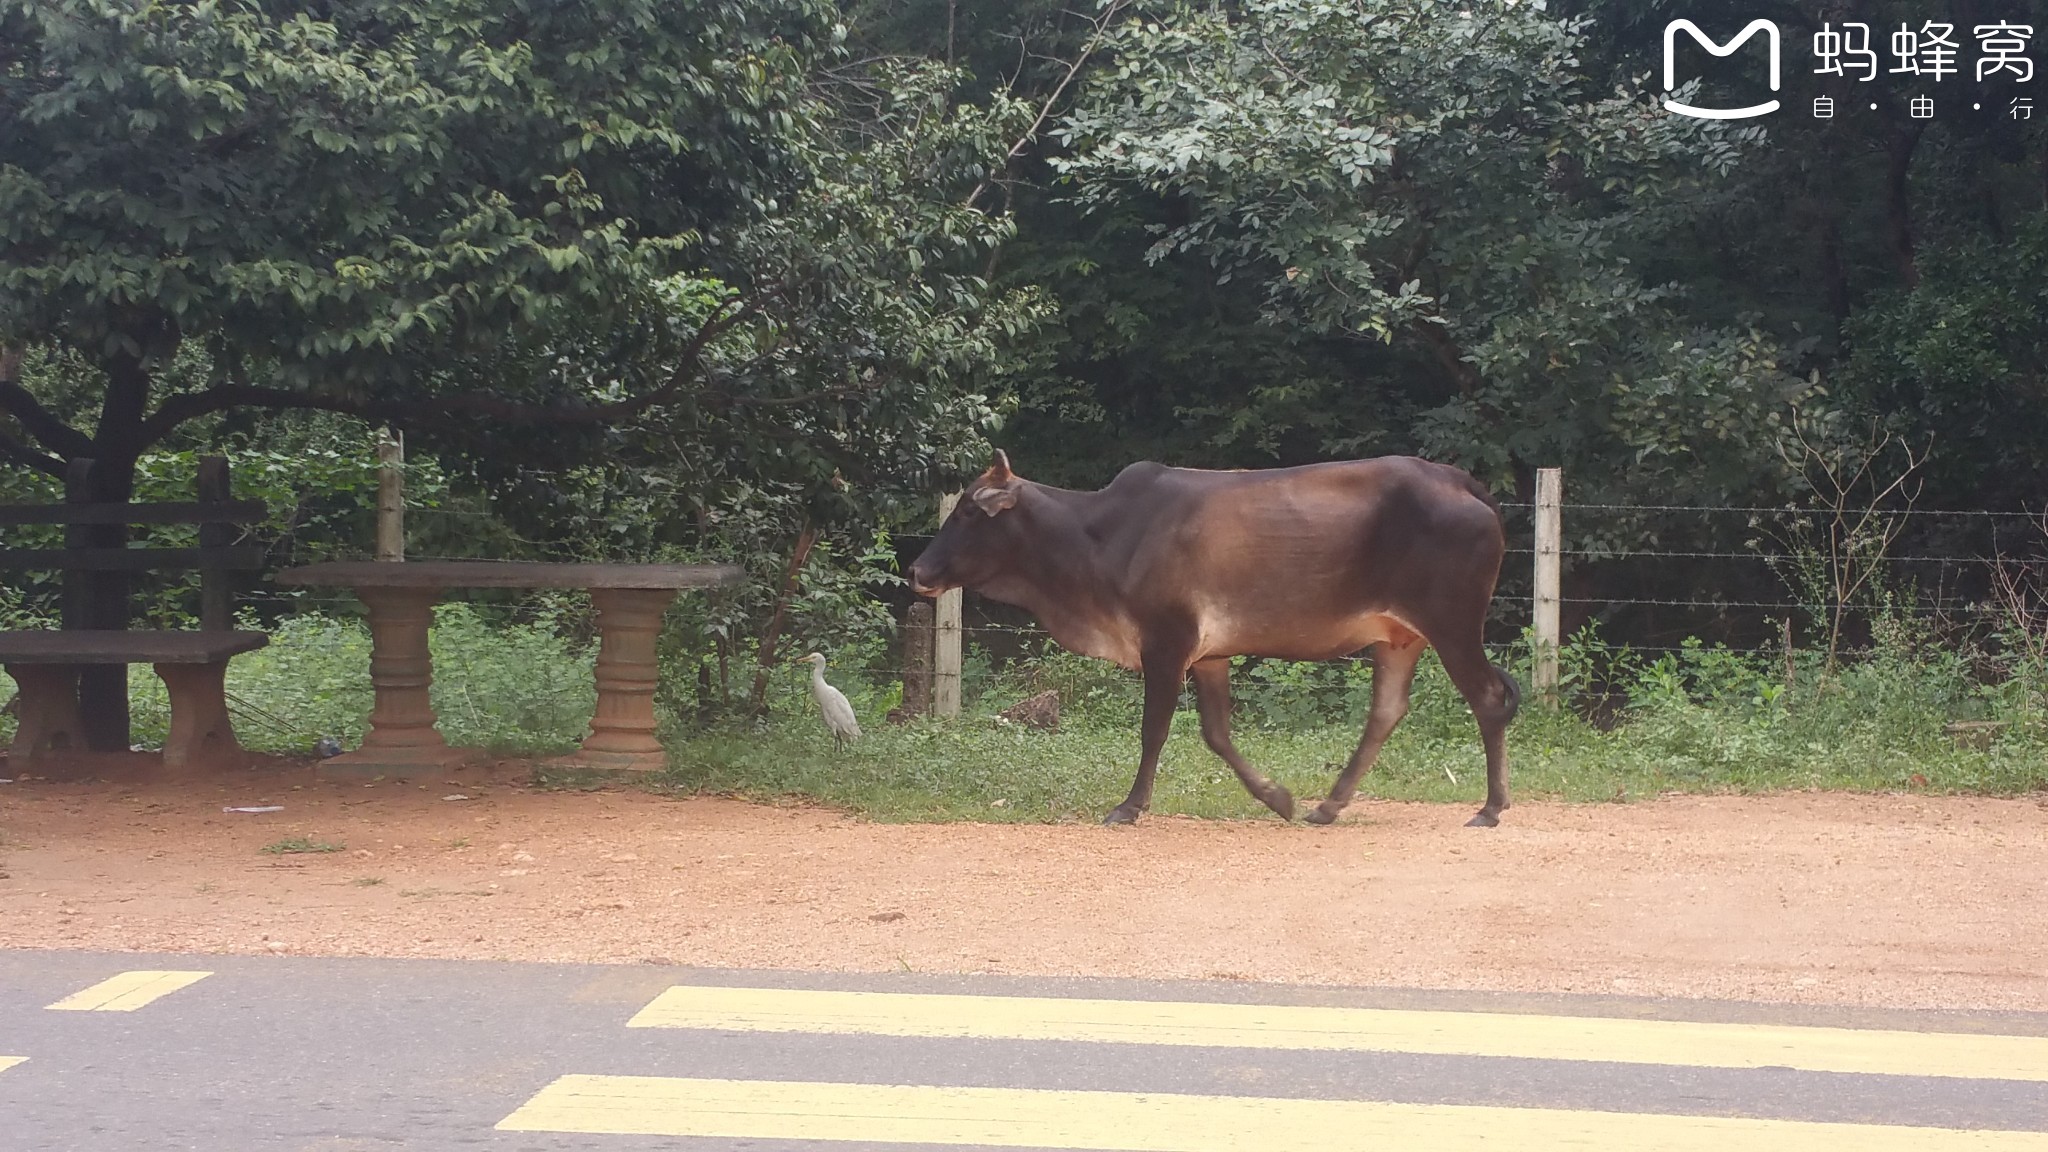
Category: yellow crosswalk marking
<point>1352,1029</point>
<point>1157,1122</point>
<point>7,1062</point>
<point>127,991</point>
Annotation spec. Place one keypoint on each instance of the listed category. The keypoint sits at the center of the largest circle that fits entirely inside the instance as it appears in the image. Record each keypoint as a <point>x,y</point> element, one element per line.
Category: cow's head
<point>978,540</point>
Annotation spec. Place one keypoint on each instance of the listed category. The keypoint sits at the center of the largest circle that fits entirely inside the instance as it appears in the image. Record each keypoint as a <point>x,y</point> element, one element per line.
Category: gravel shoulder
<point>1876,900</point>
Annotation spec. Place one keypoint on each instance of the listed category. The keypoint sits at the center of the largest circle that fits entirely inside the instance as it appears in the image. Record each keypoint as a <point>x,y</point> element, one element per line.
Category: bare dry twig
<point>1098,31</point>
<point>1838,559</point>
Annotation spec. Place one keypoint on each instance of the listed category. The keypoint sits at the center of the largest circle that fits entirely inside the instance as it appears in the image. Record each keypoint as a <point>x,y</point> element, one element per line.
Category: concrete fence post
<point>1549,580</point>
<point>946,643</point>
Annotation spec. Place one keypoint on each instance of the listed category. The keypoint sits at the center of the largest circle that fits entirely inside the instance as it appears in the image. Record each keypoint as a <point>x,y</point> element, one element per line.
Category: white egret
<point>839,719</point>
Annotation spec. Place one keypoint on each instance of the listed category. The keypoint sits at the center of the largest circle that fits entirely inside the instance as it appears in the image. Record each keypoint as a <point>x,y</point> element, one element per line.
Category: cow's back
<point>1299,561</point>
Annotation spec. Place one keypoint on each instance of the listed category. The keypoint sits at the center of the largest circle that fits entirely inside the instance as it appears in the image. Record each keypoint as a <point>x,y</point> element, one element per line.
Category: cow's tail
<point>1514,687</point>
<point>1486,497</point>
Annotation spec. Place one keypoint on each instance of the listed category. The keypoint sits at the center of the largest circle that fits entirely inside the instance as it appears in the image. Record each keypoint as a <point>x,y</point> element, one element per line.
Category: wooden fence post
<point>946,644</point>
<point>1549,546</point>
<point>78,584</point>
<point>917,659</point>
<point>216,596</point>
<point>390,495</point>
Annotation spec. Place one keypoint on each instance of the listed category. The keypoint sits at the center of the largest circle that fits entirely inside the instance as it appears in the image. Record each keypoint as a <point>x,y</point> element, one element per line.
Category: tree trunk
<point>1834,275</point>
<point>805,539</point>
<point>1449,357</point>
<point>99,600</point>
<point>1899,148</point>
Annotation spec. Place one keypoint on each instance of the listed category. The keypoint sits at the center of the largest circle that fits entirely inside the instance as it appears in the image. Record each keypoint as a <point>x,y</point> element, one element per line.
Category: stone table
<point>400,595</point>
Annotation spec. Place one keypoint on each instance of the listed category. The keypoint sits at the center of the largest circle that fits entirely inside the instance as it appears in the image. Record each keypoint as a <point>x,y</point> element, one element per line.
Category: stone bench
<point>74,682</point>
<point>193,665</point>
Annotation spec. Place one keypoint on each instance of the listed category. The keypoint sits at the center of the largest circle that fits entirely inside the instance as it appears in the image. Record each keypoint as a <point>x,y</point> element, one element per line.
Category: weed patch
<point>294,845</point>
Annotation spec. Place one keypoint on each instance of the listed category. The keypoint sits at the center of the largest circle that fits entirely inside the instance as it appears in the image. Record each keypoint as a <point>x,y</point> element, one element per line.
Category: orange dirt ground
<point>1900,901</point>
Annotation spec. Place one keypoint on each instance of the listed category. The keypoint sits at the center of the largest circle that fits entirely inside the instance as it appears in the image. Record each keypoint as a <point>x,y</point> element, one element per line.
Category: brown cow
<point>1175,570</point>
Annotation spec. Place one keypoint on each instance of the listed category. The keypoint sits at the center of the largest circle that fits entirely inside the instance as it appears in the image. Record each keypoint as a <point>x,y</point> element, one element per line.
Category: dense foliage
<point>1536,266</point>
<point>756,279</point>
<point>1445,185</point>
<point>385,210</point>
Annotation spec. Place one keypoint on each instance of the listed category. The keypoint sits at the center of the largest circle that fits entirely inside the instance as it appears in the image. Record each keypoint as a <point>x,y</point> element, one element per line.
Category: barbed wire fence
<point>1747,598</point>
<point>1731,576</point>
<point>1745,594</point>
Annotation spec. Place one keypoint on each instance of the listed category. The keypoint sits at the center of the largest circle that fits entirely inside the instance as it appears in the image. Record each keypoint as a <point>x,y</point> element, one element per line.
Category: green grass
<point>935,771</point>
<point>1703,721</point>
<point>294,845</point>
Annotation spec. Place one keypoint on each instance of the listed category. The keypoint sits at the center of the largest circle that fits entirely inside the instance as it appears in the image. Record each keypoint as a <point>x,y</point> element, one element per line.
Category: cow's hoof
<point>1121,814</point>
<point>1483,819</point>
<point>1280,800</point>
<point>1322,814</point>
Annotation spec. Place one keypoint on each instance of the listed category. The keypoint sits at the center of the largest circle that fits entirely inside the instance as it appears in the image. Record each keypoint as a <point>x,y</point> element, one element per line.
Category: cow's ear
<point>991,499</point>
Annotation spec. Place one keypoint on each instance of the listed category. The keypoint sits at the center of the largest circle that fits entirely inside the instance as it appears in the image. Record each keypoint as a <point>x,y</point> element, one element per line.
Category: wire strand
<point>1749,510</point>
<point>1644,554</point>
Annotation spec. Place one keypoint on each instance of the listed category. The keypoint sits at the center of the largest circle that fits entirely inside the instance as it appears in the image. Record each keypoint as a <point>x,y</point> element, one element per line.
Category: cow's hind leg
<point>1494,697</point>
<point>1393,672</point>
<point>1164,679</point>
<point>1212,695</point>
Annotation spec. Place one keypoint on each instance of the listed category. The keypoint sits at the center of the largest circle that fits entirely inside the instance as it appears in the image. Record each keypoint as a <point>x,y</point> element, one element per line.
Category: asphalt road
<point>103,1052</point>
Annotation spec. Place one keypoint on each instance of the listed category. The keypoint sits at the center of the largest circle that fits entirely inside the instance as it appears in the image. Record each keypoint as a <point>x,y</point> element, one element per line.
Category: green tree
<point>378,209</point>
<point>1443,182</point>
<point>870,376</point>
<point>1902,249</point>
<point>1961,359</point>
<point>657,278</point>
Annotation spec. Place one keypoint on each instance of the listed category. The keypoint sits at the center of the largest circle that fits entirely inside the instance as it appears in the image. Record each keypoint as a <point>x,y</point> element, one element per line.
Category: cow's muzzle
<point>920,586</point>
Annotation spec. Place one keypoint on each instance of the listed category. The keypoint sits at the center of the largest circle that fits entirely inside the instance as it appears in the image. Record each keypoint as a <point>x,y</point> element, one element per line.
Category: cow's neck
<point>1060,580</point>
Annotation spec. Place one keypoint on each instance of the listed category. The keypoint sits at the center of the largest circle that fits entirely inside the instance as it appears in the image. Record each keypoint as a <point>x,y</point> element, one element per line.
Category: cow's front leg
<point>1164,678</point>
<point>1212,695</point>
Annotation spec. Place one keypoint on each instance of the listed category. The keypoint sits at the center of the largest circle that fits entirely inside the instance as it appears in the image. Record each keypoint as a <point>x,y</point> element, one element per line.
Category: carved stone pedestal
<point>622,731</point>
<point>402,740</point>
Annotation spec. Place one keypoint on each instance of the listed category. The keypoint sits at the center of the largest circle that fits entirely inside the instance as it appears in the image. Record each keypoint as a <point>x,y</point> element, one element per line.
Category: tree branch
<point>452,409</point>
<point>839,393</point>
<point>27,457</point>
<point>1098,26</point>
<point>38,421</point>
